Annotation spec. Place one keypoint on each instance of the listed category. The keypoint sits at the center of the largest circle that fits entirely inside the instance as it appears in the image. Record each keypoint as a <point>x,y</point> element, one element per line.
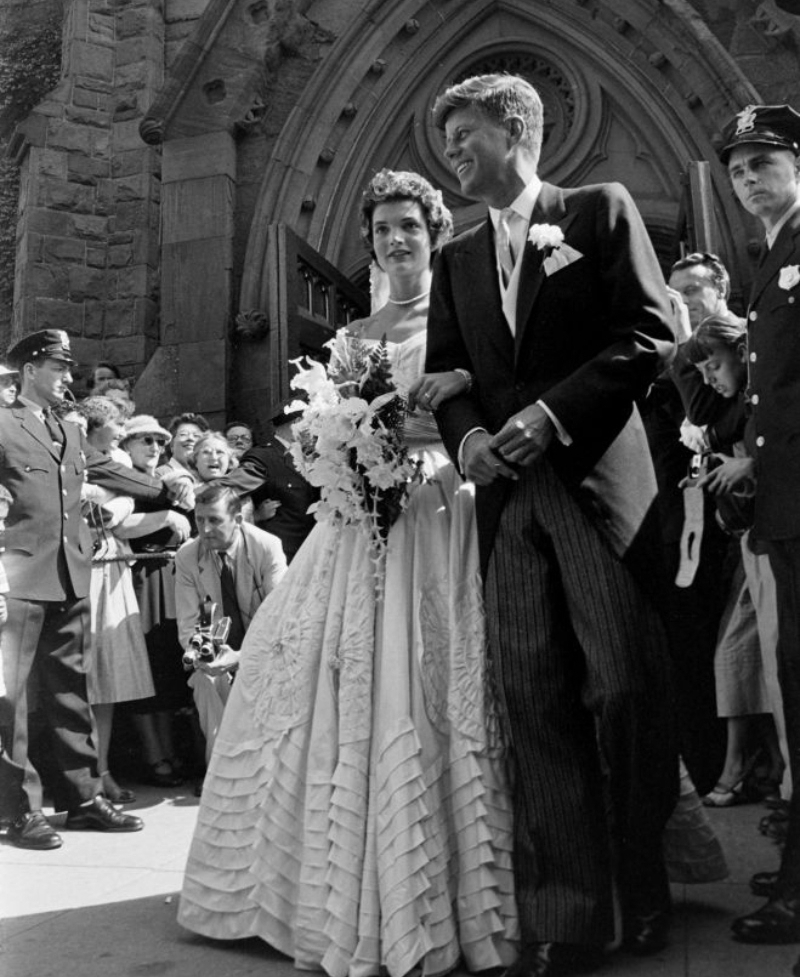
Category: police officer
<point>761,150</point>
<point>48,563</point>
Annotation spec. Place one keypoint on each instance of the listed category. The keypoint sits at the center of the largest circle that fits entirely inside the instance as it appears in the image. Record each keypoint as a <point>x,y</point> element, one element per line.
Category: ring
<point>528,433</point>
<point>428,396</point>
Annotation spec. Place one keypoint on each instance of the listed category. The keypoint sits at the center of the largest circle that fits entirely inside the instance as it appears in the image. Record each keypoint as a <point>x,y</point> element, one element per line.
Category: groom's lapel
<point>549,209</point>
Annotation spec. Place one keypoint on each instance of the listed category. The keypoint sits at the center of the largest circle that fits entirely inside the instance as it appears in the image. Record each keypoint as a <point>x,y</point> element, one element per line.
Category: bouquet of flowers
<point>349,440</point>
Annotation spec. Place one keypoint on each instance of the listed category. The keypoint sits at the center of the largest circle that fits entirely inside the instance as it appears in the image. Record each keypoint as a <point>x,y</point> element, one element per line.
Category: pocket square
<point>559,258</point>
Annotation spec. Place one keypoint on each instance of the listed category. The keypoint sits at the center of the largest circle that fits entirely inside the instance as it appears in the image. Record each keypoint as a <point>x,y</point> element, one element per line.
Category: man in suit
<point>761,148</point>
<point>558,309</point>
<point>281,496</point>
<point>48,562</point>
<point>230,564</point>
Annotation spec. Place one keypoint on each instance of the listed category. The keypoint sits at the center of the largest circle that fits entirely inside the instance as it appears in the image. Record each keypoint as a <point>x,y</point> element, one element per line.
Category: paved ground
<point>105,905</point>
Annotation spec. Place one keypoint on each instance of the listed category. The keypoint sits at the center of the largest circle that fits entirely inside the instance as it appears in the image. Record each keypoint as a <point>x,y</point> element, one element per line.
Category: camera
<point>210,634</point>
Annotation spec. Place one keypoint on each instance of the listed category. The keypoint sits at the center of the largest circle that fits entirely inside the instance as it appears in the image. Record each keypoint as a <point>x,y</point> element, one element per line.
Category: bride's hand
<point>433,389</point>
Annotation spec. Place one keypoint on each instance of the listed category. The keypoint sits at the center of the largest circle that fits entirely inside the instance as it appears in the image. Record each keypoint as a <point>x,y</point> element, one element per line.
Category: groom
<point>558,309</point>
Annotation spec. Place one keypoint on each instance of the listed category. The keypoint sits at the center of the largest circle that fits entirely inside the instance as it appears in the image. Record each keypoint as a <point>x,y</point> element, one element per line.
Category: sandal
<point>113,791</point>
<point>724,796</point>
<point>161,774</point>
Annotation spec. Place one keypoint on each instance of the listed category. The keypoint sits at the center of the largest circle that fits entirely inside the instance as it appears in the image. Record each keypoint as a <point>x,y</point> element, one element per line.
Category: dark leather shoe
<point>102,816</point>
<point>648,933</point>
<point>764,884</point>
<point>556,960</point>
<point>776,922</point>
<point>33,830</point>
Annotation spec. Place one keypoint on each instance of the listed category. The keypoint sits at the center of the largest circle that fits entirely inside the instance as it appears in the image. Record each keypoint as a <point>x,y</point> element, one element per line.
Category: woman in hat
<point>9,386</point>
<point>155,535</point>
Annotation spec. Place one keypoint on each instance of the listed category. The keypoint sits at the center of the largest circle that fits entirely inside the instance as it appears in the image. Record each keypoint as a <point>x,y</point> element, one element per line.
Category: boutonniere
<point>549,238</point>
<point>789,277</point>
<point>545,236</point>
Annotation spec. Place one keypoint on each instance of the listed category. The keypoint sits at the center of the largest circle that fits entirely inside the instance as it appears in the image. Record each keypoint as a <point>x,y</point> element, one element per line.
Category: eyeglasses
<point>233,438</point>
<point>151,439</point>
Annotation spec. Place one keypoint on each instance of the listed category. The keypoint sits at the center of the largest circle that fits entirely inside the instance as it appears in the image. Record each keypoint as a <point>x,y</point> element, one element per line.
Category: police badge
<point>747,120</point>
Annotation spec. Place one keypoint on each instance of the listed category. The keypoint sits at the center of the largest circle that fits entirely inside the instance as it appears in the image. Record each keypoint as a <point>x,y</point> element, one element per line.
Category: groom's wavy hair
<point>390,185</point>
<point>497,96</point>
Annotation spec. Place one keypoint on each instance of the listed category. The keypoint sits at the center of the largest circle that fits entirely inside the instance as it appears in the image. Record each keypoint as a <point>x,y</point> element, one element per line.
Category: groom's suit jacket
<point>590,339</point>
<point>773,338</point>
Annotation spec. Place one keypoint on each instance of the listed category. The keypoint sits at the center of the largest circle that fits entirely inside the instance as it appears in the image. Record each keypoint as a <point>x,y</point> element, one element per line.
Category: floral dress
<point>356,812</point>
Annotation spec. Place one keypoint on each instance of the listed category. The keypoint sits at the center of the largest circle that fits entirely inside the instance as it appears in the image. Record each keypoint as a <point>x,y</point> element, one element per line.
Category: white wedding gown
<point>356,812</point>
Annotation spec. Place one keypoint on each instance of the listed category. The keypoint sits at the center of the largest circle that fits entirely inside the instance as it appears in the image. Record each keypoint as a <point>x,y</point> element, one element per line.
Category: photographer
<point>233,565</point>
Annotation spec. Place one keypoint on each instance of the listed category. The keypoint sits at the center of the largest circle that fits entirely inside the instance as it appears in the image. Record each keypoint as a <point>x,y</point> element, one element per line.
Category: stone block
<point>55,194</point>
<point>126,136</point>
<point>101,143</point>
<point>196,290</point>
<point>91,60</point>
<point>50,162</point>
<point>91,227</point>
<point>93,321</point>
<point>85,98</point>
<point>157,386</point>
<point>58,314</point>
<point>197,209</point>
<point>63,250</point>
<point>182,10</point>
<point>136,76</point>
<point>196,157</point>
<point>133,281</point>
<point>87,284</point>
<point>125,349</point>
<point>130,216</point>
<point>44,221</point>
<point>201,376</point>
<point>147,317</point>
<point>87,116</point>
<point>46,281</point>
<point>86,169</point>
<point>93,84</point>
<point>140,160</point>
<point>146,49</point>
<point>105,197</point>
<point>120,318</point>
<point>96,257</point>
<point>101,27</point>
<point>62,134</point>
<point>132,23</point>
<point>135,187</point>
<point>120,255</point>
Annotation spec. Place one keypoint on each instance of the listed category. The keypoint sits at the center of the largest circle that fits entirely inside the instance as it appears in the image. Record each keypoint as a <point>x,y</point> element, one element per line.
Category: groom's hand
<point>482,465</point>
<point>524,437</point>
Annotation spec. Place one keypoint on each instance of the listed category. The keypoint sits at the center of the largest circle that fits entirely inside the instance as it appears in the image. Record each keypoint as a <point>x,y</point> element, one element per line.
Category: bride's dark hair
<point>389,185</point>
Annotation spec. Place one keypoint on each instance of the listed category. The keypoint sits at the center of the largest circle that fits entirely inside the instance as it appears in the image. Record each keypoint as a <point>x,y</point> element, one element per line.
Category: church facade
<point>189,189</point>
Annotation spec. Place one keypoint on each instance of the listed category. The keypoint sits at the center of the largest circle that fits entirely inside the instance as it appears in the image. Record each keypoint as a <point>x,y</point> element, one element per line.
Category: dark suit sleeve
<point>109,474</point>
<point>251,473</point>
<point>635,335</point>
<point>446,351</point>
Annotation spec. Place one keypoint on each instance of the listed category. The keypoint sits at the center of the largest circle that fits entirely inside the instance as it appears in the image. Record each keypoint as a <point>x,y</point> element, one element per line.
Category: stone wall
<point>88,234</point>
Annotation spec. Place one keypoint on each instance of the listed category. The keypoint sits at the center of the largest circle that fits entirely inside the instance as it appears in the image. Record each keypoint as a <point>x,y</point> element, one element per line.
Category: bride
<point>356,812</point>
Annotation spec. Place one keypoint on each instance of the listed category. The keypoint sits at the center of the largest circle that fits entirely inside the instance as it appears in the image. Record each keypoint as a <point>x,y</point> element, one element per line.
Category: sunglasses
<point>151,439</point>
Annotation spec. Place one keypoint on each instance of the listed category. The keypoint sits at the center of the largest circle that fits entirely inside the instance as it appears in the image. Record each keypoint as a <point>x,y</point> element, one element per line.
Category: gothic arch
<point>633,90</point>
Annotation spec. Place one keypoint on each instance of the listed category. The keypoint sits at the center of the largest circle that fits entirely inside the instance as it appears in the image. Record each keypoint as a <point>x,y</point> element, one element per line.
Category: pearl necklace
<point>411,301</point>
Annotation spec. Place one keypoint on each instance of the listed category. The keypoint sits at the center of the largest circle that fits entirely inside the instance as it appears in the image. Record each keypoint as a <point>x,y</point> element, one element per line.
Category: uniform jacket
<point>48,545</point>
<point>260,564</point>
<point>590,339</point>
<point>773,336</point>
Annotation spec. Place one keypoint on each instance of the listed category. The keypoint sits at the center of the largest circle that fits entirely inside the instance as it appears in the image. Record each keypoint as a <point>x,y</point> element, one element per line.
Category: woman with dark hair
<point>355,812</point>
<point>185,431</point>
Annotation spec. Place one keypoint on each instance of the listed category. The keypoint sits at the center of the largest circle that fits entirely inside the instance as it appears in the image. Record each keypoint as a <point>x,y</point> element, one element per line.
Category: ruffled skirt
<point>356,813</point>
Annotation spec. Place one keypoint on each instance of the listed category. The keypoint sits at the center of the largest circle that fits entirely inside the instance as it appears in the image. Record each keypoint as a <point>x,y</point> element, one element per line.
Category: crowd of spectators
<point>141,672</point>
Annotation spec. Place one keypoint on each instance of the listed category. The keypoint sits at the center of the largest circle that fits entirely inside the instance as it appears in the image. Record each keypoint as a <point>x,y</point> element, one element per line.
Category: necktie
<point>504,250</point>
<point>54,429</point>
<point>230,603</point>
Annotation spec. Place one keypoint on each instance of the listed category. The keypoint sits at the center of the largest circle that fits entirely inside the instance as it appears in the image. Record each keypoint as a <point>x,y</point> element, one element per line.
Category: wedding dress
<point>356,812</point>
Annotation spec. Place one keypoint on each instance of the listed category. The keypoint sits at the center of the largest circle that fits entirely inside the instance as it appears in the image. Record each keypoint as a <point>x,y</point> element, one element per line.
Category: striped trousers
<point>583,669</point>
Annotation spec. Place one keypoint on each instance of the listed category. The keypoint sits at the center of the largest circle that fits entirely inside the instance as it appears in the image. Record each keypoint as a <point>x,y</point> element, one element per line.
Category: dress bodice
<point>408,364</point>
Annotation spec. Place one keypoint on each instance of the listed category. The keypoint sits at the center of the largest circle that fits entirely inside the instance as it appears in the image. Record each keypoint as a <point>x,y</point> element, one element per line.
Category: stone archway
<point>633,91</point>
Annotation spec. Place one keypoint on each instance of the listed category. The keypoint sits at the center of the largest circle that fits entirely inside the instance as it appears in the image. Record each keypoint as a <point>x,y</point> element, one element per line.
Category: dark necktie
<point>230,603</point>
<point>54,428</point>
